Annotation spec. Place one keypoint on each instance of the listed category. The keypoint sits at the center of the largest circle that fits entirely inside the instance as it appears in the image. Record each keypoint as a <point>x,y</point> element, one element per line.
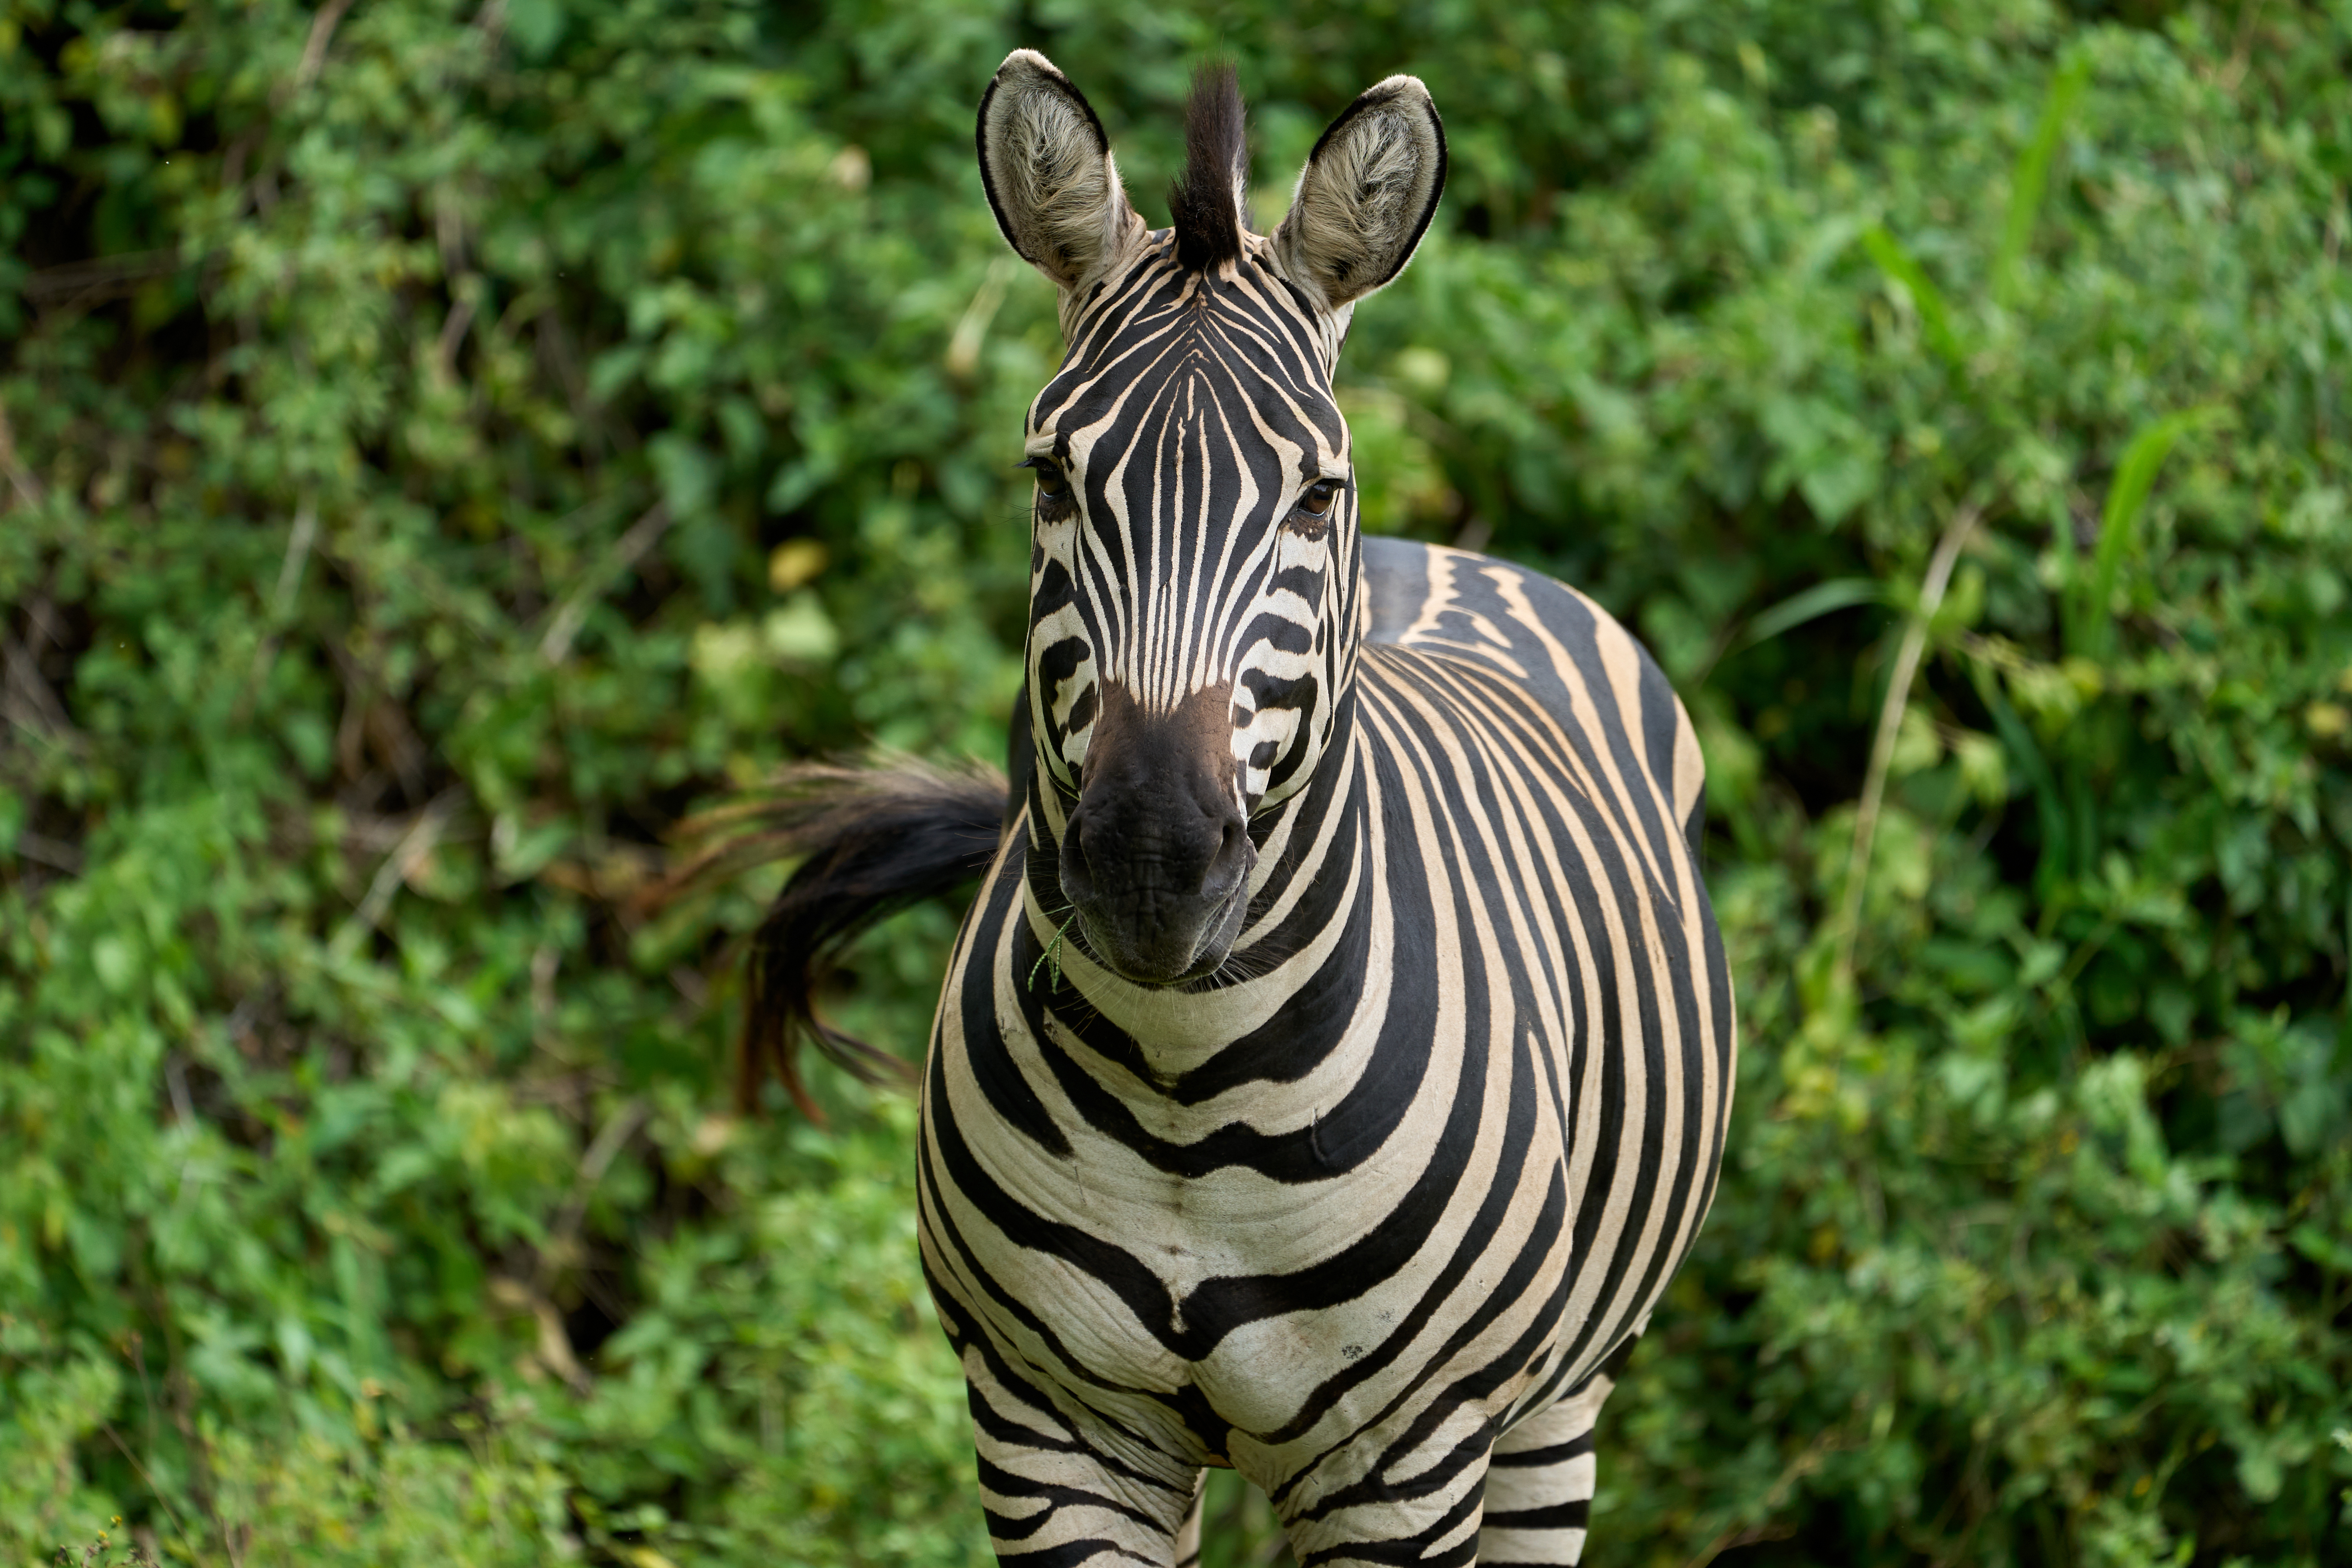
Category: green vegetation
<point>446,444</point>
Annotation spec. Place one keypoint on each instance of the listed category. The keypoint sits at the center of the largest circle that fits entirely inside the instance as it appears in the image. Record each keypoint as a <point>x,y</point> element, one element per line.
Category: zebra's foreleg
<point>1188,1539</point>
<point>1540,1480</point>
<point>1054,1499</point>
<point>1069,1510</point>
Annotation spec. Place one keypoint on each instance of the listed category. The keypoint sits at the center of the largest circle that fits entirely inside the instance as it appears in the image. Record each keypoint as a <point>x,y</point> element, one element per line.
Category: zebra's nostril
<point>1077,880</point>
<point>1231,862</point>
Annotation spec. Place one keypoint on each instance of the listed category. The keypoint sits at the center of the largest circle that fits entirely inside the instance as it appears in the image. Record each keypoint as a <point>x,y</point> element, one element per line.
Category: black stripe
<point>1557,1454</point>
<point>1574,1515</point>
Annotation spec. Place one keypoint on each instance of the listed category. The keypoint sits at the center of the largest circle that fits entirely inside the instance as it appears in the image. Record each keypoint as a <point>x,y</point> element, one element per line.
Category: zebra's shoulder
<point>1568,654</point>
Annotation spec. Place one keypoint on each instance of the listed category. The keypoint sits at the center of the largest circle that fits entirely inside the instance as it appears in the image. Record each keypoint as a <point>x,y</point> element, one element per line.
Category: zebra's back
<point>1530,716</point>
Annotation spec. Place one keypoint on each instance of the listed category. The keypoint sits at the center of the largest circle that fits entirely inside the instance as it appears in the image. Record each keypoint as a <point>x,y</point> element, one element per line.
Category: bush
<point>441,451</point>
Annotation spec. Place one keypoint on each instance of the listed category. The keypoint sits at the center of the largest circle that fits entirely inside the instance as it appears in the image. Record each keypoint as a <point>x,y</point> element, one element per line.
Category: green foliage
<point>444,447</point>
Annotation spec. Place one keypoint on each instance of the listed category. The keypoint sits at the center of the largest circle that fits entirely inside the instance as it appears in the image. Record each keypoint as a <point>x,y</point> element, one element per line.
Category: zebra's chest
<point>1247,1250</point>
<point>1251,1294</point>
<point>1461,1115</point>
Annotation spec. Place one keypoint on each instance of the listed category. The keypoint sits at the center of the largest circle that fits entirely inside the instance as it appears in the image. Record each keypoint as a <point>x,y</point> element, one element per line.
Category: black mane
<point>1201,200</point>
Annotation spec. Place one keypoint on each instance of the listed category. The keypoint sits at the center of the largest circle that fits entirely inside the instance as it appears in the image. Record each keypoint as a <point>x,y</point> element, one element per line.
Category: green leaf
<point>536,26</point>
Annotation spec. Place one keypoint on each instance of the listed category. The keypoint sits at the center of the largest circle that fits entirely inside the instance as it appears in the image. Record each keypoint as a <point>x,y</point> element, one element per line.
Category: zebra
<point>1333,1067</point>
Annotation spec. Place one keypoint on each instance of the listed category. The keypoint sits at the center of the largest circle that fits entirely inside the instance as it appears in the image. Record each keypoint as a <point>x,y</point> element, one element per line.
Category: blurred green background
<point>446,444</point>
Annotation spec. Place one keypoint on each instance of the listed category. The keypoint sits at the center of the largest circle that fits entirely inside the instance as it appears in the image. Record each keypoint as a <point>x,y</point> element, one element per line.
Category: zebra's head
<point>1195,606</point>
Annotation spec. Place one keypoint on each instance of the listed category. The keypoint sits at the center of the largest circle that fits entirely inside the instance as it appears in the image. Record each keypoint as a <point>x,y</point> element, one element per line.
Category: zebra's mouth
<point>1149,948</point>
<point>1155,857</point>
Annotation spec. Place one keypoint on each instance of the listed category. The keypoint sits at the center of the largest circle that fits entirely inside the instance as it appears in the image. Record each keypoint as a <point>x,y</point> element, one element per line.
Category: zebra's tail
<point>871,841</point>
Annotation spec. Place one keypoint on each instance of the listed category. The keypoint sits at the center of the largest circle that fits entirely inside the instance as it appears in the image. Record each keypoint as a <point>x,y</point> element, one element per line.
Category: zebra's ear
<point>1049,173</point>
<point>1366,195</point>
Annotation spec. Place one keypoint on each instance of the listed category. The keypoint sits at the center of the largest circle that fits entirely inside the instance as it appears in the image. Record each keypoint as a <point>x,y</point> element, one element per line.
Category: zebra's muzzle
<point>1156,858</point>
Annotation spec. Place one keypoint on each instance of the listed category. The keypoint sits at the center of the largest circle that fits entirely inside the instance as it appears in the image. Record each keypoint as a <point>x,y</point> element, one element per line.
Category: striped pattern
<point>1390,1196</point>
<point>1192,405</point>
<point>1374,1210</point>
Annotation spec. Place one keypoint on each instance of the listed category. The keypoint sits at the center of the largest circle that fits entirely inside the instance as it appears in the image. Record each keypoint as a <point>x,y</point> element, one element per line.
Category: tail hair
<point>873,840</point>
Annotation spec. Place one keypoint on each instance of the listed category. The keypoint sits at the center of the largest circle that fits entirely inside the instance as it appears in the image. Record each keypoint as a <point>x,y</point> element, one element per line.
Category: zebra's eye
<point>1052,483</point>
<point>1312,515</point>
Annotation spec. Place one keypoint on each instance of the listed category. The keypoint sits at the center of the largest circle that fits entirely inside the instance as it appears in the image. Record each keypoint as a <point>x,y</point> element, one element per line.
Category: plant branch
<point>626,552</point>
<point>1957,531</point>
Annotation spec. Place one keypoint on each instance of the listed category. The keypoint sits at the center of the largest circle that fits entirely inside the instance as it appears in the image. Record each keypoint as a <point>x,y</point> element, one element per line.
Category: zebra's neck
<point>1261,1015</point>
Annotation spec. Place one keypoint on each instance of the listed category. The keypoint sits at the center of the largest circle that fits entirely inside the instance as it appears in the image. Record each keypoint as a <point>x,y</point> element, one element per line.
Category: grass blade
<point>2057,856</point>
<point>2127,495</point>
<point>2031,177</point>
<point>1901,267</point>
<point>1810,604</point>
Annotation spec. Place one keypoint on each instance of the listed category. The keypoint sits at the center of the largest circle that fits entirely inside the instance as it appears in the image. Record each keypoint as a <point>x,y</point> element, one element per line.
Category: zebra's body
<point>1335,1066</point>
<point>1351,1223</point>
